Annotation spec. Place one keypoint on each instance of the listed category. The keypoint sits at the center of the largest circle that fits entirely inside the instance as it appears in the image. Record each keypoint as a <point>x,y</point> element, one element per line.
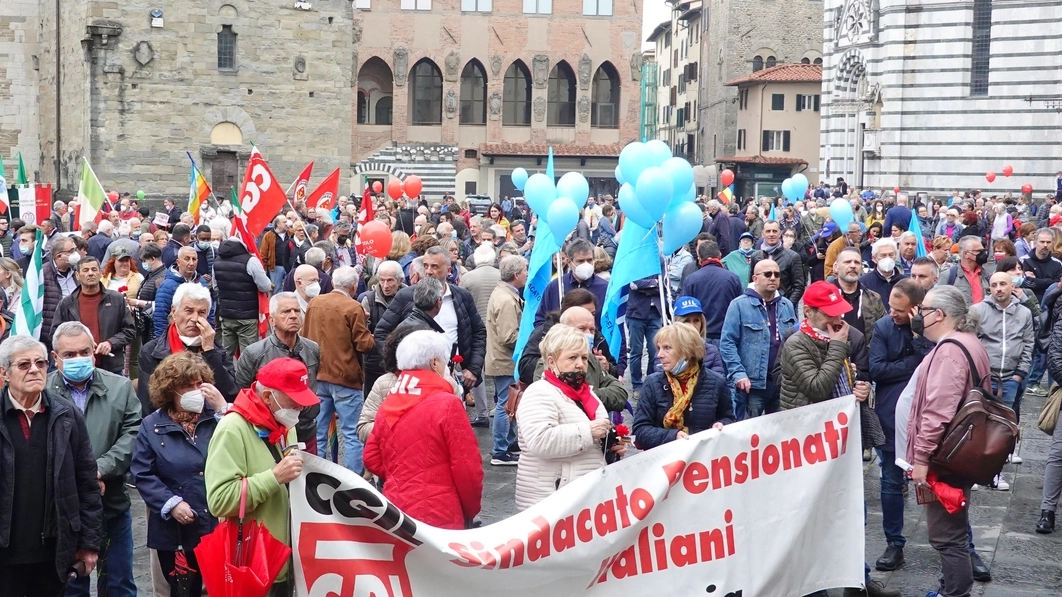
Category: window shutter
<point>799,102</point>
<point>766,140</point>
<point>693,72</point>
<point>817,103</point>
<point>785,140</point>
<point>674,96</point>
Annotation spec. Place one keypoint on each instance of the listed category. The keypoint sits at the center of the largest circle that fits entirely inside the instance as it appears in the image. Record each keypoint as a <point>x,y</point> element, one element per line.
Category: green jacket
<point>235,452</point>
<point>740,265</point>
<point>112,416</point>
<point>810,369</point>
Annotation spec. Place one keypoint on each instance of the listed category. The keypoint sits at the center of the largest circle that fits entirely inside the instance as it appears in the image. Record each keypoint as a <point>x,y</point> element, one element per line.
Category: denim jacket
<point>746,338</point>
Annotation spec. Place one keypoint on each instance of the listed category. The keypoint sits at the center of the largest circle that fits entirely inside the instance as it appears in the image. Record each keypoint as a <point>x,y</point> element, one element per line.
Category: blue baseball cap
<point>827,229</point>
<point>687,305</point>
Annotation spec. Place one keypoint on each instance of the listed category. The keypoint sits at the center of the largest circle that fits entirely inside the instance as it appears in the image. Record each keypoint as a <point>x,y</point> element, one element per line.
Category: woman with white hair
<point>422,442</point>
<point>560,422</point>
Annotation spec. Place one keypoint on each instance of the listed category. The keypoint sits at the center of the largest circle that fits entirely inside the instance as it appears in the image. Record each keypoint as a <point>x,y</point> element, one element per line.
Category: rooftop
<point>759,159</point>
<point>782,73</point>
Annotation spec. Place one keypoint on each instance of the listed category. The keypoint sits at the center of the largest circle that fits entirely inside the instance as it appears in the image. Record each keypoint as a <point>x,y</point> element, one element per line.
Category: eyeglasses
<point>771,274</point>
<point>26,365</point>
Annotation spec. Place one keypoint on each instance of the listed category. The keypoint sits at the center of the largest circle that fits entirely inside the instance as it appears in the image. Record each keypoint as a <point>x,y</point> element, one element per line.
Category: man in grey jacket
<point>112,416</point>
<point>481,282</point>
<point>1007,334</point>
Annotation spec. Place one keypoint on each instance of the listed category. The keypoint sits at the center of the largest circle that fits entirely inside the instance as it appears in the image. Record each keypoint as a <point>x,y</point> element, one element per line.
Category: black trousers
<point>30,580</point>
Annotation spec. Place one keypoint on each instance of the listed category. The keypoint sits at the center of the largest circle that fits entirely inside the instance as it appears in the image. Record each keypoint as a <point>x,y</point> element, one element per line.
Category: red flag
<point>44,202</point>
<point>239,232</point>
<point>325,194</point>
<point>301,182</point>
<point>365,215</point>
<point>261,198</point>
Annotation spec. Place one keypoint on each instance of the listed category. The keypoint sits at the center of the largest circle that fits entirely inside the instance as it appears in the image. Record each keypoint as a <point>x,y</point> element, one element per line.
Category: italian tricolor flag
<point>90,195</point>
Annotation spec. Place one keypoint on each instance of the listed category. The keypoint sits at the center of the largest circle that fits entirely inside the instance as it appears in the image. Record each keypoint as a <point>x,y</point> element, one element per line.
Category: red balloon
<point>726,177</point>
<point>377,187</point>
<point>376,239</point>
<point>394,188</point>
<point>896,190</point>
<point>1027,189</point>
<point>1008,170</point>
<point>413,186</point>
<point>990,177</point>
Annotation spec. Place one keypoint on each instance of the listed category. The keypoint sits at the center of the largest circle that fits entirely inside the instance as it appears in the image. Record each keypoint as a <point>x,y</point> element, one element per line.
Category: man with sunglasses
<point>753,332</point>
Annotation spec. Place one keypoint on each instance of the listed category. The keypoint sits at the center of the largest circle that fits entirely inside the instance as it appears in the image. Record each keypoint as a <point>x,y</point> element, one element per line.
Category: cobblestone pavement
<point>1023,563</point>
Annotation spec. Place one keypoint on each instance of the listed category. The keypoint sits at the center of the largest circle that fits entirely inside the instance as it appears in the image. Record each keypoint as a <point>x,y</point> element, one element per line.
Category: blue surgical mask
<point>453,234</point>
<point>680,367</point>
<point>78,369</point>
<point>204,245</point>
<point>590,340</point>
<point>1017,281</point>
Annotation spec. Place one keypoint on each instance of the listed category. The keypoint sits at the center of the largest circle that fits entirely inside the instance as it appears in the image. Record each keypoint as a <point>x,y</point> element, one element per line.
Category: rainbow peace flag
<point>198,190</point>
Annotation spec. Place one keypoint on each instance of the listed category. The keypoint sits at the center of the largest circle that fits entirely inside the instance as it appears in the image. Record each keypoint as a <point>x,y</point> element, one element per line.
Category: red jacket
<point>422,444</point>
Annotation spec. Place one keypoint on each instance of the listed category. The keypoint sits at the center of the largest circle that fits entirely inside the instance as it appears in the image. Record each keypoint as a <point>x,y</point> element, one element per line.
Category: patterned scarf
<point>185,419</point>
<point>843,387</point>
<point>583,397</point>
<point>682,386</point>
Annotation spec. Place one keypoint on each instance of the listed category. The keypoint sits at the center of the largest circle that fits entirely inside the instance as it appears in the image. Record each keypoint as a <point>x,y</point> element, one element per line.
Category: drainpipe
<point>58,96</point>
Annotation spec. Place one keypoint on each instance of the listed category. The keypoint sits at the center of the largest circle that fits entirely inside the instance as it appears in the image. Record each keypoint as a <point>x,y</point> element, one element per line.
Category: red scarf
<point>805,327</point>
<point>712,260</point>
<point>174,339</point>
<point>583,397</point>
<point>411,387</point>
<point>251,407</point>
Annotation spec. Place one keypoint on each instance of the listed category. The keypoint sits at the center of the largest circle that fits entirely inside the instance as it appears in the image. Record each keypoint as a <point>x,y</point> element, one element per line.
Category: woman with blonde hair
<point>602,263</point>
<point>561,423</point>
<point>121,275</point>
<point>11,283</point>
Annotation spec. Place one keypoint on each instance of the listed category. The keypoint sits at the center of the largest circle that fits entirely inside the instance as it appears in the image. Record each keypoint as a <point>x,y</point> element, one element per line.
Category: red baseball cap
<point>289,376</point>
<point>826,298</point>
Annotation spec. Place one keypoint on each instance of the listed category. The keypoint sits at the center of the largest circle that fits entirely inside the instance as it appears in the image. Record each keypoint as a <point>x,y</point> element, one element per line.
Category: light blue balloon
<point>841,213</point>
<point>659,152</point>
<point>800,186</point>
<point>619,176</point>
<point>519,177</point>
<point>654,191</point>
<point>562,217</point>
<point>574,186</point>
<point>682,223</point>
<point>540,193</point>
<point>633,160</point>
<point>681,174</point>
<point>628,203</point>
<point>691,195</point>
<point>787,188</point>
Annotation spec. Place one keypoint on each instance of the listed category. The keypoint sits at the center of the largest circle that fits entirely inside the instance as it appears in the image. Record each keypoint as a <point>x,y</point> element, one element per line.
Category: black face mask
<point>918,324</point>
<point>982,257</point>
<point>574,379</point>
<point>341,240</point>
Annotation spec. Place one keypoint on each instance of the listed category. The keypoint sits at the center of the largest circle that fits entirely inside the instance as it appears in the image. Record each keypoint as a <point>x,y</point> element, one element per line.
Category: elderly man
<point>190,331</point>
<point>274,251</point>
<point>97,245</point>
<point>458,317</point>
<point>427,302</point>
<point>482,282</point>
<point>48,522</point>
<point>908,252</point>
<point>503,313</point>
<point>580,254</point>
<point>254,442</point>
<point>285,318</point>
<point>123,239</point>
<point>59,279</point>
<point>112,417</point>
<point>103,312</point>
<point>969,275</point>
<point>717,224</point>
<point>240,276</point>
<point>182,272</point>
<point>886,273</point>
<point>336,322</point>
<point>307,285</point>
<point>180,237</point>
<point>318,257</point>
<point>375,302</point>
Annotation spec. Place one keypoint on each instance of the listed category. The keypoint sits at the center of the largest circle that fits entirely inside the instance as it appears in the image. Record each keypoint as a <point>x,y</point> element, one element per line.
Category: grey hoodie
<point>1007,335</point>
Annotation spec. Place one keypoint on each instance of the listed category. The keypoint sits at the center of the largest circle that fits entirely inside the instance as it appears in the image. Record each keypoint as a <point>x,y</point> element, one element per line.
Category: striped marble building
<point>929,95</point>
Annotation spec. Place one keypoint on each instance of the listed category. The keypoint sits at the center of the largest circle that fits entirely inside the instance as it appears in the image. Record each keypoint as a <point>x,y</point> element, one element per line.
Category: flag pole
<point>664,292</point>
<point>560,280</point>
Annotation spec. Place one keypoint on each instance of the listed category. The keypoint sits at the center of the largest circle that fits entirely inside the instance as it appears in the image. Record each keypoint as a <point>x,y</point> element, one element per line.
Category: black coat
<point>115,321</point>
<point>237,291</point>
<point>75,509</point>
<point>709,404</point>
<point>152,354</point>
<point>471,333</point>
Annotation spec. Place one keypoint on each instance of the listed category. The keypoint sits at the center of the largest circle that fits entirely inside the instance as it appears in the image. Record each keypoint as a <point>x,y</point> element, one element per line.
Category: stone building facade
<point>678,54</point>
<point>461,92</point>
<point>740,37</point>
<point>19,61</point>
<point>930,95</point>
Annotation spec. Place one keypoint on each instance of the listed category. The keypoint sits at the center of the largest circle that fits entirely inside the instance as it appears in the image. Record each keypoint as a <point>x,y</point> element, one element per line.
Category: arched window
<point>805,60</point>
<point>605,98</point>
<point>817,61</point>
<point>516,97</point>
<point>473,94</point>
<point>561,96</point>
<point>425,94</point>
<point>757,63</point>
<point>383,110</point>
<point>363,107</point>
<point>226,48</point>
<point>771,61</point>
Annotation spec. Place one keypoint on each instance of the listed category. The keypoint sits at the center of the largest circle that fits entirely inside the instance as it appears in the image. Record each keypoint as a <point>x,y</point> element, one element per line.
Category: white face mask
<point>74,258</point>
<point>285,417</point>
<point>192,401</point>
<point>26,249</point>
<point>192,340</point>
<point>887,265</point>
<point>583,271</point>
<point>313,289</point>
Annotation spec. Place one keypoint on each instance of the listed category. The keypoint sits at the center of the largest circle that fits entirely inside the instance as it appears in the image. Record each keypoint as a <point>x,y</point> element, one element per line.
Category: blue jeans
<point>763,402</point>
<point>503,433</point>
<point>892,482</point>
<point>115,565</point>
<point>642,332</point>
<point>345,402</point>
<point>277,277</point>
<point>1011,388</point>
<point>1039,366</point>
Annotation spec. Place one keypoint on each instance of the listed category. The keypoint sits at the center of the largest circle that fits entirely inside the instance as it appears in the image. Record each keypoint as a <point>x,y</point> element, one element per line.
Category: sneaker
<point>1014,459</point>
<point>506,459</point>
<point>1000,484</point>
<point>481,422</point>
<point>976,487</point>
<point>1046,524</point>
<point>1037,390</point>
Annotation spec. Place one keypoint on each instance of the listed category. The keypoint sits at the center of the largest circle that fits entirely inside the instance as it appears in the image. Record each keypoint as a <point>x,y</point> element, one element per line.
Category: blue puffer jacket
<point>710,403</point>
<point>894,355</point>
<point>164,300</point>
<point>746,339</point>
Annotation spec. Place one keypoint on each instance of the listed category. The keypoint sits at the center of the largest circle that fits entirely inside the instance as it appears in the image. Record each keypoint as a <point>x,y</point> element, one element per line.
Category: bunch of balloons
<point>659,187</point>
<point>411,187</point>
<point>1007,171</point>
<point>795,187</point>
<point>557,204</point>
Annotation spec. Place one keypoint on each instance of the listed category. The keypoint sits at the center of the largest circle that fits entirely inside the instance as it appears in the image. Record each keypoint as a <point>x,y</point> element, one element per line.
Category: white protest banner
<point>769,507</point>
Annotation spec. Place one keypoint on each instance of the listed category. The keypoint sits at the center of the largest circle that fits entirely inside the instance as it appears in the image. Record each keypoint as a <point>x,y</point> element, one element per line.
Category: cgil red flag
<point>43,203</point>
<point>326,193</point>
<point>302,182</point>
<point>365,215</point>
<point>260,196</point>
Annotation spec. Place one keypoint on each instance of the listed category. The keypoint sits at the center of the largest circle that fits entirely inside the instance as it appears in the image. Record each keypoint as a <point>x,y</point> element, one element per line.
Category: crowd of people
<point>151,372</point>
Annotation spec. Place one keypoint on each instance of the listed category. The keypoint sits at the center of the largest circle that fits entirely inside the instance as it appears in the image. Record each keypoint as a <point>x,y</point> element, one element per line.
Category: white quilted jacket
<point>555,443</point>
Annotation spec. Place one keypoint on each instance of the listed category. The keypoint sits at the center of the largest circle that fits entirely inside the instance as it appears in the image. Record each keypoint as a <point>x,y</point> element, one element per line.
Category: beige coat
<point>503,326</point>
<point>480,282</point>
<point>380,388</point>
<point>555,443</point>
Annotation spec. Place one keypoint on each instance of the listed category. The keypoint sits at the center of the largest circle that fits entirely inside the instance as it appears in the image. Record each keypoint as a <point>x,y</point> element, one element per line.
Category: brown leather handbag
<point>976,442</point>
<point>516,392</point>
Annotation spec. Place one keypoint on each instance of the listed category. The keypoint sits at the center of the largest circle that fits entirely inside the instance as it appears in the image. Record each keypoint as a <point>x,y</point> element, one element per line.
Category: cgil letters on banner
<point>768,507</point>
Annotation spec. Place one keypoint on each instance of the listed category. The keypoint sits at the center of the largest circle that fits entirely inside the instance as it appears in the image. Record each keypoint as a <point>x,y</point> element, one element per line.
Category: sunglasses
<point>770,274</point>
<point>26,365</point>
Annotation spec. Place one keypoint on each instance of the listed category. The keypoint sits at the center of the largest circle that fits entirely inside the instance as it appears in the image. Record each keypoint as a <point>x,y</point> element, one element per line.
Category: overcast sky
<point>655,12</point>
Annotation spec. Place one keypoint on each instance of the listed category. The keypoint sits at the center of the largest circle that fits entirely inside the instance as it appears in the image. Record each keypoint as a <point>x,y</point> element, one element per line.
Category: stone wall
<point>19,130</point>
